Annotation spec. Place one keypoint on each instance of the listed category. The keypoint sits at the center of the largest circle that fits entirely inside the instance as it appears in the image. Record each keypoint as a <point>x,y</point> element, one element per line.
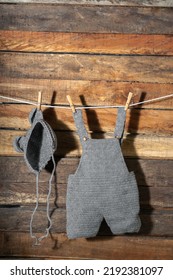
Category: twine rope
<point>85,107</point>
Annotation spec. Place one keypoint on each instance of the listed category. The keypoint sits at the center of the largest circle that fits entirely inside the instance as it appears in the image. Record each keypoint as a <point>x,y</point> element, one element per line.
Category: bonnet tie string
<point>39,239</point>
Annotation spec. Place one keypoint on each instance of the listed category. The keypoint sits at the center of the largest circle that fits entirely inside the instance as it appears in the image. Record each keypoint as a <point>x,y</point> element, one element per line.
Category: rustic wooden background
<point>96,51</point>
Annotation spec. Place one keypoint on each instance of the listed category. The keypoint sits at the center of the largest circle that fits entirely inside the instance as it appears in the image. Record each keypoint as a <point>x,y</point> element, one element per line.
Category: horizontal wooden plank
<point>86,43</point>
<point>24,194</point>
<point>133,145</point>
<point>102,19</point>
<point>84,67</point>
<point>155,223</point>
<point>18,187</point>
<point>154,3</point>
<point>18,219</point>
<point>87,92</point>
<point>151,173</point>
<point>58,246</point>
<point>158,122</point>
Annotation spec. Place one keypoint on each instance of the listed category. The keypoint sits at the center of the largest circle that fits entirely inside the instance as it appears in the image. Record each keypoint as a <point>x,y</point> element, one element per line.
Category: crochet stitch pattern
<point>38,146</point>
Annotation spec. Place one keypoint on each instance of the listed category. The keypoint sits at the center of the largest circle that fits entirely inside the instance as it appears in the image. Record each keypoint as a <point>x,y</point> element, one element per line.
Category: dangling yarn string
<point>39,239</point>
<point>35,209</point>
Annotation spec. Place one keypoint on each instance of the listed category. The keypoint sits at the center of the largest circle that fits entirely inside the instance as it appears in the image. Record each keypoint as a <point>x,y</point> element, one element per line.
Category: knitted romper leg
<point>102,186</point>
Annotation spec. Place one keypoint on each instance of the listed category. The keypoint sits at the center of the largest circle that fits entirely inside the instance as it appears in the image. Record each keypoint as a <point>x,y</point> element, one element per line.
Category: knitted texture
<point>39,144</point>
<point>102,186</point>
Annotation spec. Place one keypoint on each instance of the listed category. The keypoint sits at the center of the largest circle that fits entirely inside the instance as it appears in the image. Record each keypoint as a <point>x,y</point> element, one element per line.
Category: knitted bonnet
<point>38,146</point>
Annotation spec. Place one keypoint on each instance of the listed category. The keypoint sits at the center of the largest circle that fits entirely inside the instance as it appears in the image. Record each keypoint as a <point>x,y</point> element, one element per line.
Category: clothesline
<point>84,107</point>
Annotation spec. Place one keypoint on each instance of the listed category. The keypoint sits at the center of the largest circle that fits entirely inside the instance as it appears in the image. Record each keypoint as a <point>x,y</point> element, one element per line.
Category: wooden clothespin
<point>71,103</point>
<point>128,101</point>
<point>39,100</point>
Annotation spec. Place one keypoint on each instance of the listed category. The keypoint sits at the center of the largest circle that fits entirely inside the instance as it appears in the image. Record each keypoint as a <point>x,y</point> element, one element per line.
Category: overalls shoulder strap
<point>120,123</point>
<point>78,119</point>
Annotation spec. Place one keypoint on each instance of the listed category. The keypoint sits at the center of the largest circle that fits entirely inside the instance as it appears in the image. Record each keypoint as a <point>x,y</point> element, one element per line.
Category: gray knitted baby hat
<point>38,146</point>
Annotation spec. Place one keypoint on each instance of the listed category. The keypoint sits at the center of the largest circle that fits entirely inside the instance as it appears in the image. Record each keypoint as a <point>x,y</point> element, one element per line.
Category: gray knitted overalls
<point>102,186</point>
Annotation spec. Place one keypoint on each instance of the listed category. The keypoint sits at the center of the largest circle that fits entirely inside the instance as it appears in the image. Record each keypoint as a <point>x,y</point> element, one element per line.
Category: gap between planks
<point>103,19</point>
<point>26,41</point>
<point>58,246</point>
<point>86,92</point>
<point>140,3</point>
<point>102,120</point>
<point>133,146</point>
<point>155,69</point>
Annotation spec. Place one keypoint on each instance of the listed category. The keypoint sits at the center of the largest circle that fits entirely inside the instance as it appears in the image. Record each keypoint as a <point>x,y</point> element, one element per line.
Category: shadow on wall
<point>134,165</point>
<point>62,150</point>
<point>104,228</point>
<point>91,115</point>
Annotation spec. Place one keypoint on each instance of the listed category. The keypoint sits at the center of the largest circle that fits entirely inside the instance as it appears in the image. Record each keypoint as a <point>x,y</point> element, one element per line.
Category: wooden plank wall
<point>96,51</point>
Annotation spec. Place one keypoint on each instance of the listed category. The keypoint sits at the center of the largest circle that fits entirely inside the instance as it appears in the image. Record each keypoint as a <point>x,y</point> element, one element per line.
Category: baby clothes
<point>38,146</point>
<point>102,186</point>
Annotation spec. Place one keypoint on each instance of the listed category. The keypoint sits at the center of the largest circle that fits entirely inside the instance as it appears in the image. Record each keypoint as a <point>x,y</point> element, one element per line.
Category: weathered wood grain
<point>58,246</point>
<point>155,223</point>
<point>86,43</point>
<point>24,194</point>
<point>72,18</point>
<point>151,173</point>
<point>156,197</point>
<point>156,122</point>
<point>18,219</point>
<point>133,145</point>
<point>136,46</point>
<point>154,3</point>
<point>86,92</point>
<point>83,67</point>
